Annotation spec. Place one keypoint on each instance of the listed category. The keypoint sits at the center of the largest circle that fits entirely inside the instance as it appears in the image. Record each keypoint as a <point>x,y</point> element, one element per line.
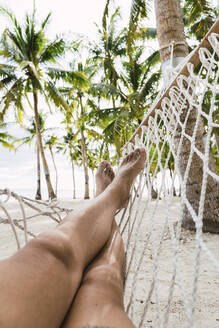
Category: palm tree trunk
<point>217,141</point>
<point>38,192</point>
<point>154,193</point>
<point>84,156</point>
<point>171,176</point>
<point>85,165</point>
<point>93,176</point>
<point>53,160</point>
<point>41,150</point>
<point>73,173</point>
<point>170,28</point>
<point>116,142</point>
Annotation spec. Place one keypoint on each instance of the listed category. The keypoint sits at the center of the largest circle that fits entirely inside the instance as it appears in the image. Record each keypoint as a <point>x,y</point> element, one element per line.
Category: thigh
<point>98,303</point>
<point>37,287</point>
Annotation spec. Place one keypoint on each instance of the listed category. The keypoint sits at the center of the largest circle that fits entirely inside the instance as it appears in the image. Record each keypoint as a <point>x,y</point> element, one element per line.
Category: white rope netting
<point>22,219</point>
<point>169,260</point>
<point>165,263</point>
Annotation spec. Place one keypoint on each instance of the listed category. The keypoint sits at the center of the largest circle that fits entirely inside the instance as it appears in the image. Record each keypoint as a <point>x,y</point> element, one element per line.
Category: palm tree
<point>111,46</point>
<point>26,47</point>
<point>32,135</point>
<point>69,146</point>
<point>170,28</point>
<point>135,91</point>
<point>126,77</point>
<point>50,143</point>
<point>83,146</point>
<point>109,50</point>
<point>76,88</point>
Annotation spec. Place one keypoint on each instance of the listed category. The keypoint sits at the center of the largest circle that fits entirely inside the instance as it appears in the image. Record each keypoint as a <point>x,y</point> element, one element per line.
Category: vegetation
<point>112,84</point>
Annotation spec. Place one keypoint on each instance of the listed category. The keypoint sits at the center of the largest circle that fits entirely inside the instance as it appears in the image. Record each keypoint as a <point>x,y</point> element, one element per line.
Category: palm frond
<point>150,85</point>
<point>78,79</point>
<point>107,90</point>
<point>55,96</point>
<point>139,11</point>
<point>45,21</point>
<point>148,33</point>
<point>105,15</point>
<point>52,51</point>
<point>200,28</point>
<point>7,144</point>
<point>195,8</point>
<point>7,75</point>
<point>13,97</point>
<point>199,16</point>
<point>149,64</point>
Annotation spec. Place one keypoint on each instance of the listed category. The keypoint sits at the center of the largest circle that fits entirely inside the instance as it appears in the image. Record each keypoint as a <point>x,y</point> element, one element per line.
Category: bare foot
<point>104,177</point>
<point>128,170</point>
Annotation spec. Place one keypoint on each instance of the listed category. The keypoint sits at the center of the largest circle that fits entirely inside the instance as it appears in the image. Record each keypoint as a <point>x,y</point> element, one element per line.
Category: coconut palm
<point>77,81</point>
<point>51,142</point>
<point>69,146</point>
<point>136,90</point>
<point>31,132</point>
<point>111,46</point>
<point>170,28</point>
<point>108,51</point>
<point>125,75</point>
<point>29,52</point>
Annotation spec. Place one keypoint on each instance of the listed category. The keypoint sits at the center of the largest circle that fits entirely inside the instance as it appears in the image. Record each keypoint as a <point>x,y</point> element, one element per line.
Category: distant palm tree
<point>32,136</point>
<point>51,142</point>
<point>126,78</point>
<point>135,91</point>
<point>68,146</point>
<point>76,90</point>
<point>109,50</point>
<point>30,52</point>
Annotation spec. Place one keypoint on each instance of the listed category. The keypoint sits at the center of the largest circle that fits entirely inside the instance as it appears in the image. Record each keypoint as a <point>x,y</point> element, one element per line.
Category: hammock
<point>151,225</point>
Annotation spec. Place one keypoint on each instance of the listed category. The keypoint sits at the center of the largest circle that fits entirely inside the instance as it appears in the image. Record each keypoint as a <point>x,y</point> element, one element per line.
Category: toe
<point>126,159</point>
<point>102,166</point>
<point>108,171</point>
<point>112,174</point>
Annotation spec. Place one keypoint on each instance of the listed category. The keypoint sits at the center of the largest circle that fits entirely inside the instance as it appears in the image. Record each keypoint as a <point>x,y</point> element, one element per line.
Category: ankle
<point>112,195</point>
<point>120,192</point>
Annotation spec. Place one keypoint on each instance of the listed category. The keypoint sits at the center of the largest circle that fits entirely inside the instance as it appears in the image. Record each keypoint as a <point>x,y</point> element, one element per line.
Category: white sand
<point>207,303</point>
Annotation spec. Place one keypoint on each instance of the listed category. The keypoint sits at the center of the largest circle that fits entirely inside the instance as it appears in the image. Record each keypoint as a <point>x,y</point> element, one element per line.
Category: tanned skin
<point>39,282</point>
<point>99,300</point>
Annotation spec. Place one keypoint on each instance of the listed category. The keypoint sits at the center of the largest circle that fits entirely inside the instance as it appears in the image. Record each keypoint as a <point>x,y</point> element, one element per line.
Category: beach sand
<point>150,233</point>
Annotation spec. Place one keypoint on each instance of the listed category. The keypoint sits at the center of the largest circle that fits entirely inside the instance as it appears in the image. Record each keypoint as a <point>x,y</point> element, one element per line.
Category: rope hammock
<point>152,226</point>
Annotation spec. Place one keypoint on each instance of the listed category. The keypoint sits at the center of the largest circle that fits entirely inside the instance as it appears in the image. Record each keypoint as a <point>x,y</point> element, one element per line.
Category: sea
<point>63,194</point>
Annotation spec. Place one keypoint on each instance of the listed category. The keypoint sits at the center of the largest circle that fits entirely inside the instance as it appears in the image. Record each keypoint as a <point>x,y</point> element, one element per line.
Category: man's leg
<point>39,282</point>
<point>99,300</point>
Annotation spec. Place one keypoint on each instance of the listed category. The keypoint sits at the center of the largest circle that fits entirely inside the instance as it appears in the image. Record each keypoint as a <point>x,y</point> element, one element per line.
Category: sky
<point>18,170</point>
<point>74,16</point>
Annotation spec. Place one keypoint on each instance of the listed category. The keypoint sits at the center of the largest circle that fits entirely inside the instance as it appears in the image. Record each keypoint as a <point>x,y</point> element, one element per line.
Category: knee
<point>58,245</point>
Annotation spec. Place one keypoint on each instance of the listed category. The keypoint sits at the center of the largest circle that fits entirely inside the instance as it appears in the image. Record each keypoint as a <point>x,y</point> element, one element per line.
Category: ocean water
<point>62,194</point>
